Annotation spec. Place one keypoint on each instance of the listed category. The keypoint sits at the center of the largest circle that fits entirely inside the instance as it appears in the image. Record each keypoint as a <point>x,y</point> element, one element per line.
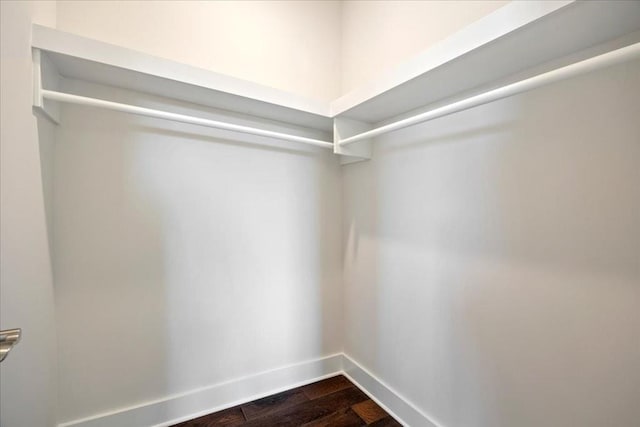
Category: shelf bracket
<point>357,152</point>
<point>44,73</point>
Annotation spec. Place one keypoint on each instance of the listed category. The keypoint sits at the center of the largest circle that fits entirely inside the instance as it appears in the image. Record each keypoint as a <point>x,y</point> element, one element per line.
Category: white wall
<point>183,260</point>
<point>492,264</point>
<point>320,49</point>
<point>378,35</point>
<point>27,385</point>
<point>292,46</point>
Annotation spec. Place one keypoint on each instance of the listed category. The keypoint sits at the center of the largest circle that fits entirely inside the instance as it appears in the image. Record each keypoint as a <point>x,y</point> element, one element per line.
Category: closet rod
<point>600,61</point>
<point>141,111</point>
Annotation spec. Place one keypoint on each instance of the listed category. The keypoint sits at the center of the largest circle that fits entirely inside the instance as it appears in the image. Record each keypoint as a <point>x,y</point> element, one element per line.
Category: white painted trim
<point>390,400</point>
<point>196,403</point>
<point>202,401</point>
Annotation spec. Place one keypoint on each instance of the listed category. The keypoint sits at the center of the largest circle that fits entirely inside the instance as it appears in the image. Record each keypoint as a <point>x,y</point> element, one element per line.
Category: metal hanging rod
<point>141,111</point>
<point>600,61</point>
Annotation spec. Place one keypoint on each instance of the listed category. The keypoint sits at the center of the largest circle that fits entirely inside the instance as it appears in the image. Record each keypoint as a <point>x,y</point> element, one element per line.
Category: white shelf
<point>94,61</point>
<point>518,38</point>
<point>513,44</point>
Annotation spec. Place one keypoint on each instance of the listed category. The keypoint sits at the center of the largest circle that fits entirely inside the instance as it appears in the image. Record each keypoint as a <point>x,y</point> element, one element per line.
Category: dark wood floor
<point>334,402</point>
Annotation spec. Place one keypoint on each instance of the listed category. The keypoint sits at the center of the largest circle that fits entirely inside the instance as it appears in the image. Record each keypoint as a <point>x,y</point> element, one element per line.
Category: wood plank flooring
<point>334,402</point>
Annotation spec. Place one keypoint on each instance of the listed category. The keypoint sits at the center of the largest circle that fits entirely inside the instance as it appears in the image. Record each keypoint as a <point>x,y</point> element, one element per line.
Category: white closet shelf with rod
<point>182,118</point>
<point>608,59</point>
<point>511,43</point>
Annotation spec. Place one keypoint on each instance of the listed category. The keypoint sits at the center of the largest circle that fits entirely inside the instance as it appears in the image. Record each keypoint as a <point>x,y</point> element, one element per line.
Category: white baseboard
<point>391,401</point>
<point>195,403</point>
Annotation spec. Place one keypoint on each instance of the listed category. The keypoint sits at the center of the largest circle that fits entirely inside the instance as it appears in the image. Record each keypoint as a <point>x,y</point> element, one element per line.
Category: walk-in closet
<point>320,213</point>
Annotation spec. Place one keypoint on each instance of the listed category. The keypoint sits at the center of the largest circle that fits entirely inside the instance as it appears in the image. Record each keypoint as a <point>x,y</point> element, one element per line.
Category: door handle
<point>8,339</point>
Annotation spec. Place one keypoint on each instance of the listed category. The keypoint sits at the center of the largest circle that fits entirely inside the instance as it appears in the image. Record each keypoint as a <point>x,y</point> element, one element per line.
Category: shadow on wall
<point>184,260</point>
<point>46,140</point>
<point>493,264</point>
